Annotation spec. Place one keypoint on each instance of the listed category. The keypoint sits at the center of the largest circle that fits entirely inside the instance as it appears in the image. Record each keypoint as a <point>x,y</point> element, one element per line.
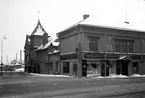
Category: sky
<point>18,18</point>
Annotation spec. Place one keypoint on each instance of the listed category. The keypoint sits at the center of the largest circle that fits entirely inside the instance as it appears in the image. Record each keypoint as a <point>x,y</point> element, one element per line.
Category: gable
<point>39,30</point>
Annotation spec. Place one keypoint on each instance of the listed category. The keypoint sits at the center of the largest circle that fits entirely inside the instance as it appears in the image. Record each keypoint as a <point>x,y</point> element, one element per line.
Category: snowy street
<point>48,86</point>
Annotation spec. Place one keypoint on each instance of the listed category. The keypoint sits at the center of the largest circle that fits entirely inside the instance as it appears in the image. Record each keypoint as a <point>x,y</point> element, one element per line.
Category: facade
<point>92,49</point>
<point>48,58</point>
<point>38,37</point>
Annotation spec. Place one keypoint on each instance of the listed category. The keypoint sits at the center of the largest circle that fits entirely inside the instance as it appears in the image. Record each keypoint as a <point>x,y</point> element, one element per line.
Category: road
<point>53,87</point>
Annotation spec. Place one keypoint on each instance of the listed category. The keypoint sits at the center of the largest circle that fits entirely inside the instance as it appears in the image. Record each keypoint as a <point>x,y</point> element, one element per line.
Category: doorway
<point>125,67</point>
<point>75,68</point>
<point>122,67</point>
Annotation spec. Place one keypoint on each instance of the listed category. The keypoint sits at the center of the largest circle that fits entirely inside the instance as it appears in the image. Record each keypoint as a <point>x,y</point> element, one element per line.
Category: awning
<point>125,57</point>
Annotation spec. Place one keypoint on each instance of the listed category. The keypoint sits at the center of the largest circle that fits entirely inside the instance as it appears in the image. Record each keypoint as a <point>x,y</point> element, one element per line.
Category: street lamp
<point>4,37</point>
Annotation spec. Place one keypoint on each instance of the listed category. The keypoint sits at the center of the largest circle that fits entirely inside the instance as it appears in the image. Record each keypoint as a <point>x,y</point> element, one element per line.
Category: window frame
<point>93,46</point>
<point>123,45</point>
<point>66,67</point>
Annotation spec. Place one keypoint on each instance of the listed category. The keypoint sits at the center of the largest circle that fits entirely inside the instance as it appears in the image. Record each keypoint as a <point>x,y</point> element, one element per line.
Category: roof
<point>52,42</point>
<point>55,43</point>
<point>39,30</point>
<point>92,22</point>
<point>125,57</point>
<point>54,52</point>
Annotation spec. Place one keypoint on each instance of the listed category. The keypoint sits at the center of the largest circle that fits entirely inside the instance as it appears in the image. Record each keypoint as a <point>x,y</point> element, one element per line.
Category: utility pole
<point>79,43</point>
<point>105,53</point>
<point>4,37</point>
<point>20,56</point>
<point>16,56</point>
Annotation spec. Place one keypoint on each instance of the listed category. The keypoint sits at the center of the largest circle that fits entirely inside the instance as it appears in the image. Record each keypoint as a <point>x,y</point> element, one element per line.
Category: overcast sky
<point>19,17</point>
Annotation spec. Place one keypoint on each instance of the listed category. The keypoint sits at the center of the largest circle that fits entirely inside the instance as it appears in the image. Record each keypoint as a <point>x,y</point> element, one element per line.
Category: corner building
<point>101,50</point>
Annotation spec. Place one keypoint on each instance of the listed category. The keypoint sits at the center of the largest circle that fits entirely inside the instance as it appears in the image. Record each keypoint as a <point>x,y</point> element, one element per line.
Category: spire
<point>39,30</point>
<point>38,15</point>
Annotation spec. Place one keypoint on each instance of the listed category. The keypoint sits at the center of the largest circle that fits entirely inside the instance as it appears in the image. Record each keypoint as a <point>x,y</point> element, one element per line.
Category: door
<point>124,67</point>
<point>103,69</point>
<point>75,69</point>
<point>118,67</point>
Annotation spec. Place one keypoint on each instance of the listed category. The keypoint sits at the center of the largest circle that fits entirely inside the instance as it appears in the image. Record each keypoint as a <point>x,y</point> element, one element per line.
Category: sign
<point>94,55</point>
<point>69,56</point>
<point>112,56</point>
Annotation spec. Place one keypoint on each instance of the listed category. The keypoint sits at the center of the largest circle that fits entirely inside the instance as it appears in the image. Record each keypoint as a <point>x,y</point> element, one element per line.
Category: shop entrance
<point>122,67</point>
<point>125,67</point>
<point>74,68</point>
<point>105,68</point>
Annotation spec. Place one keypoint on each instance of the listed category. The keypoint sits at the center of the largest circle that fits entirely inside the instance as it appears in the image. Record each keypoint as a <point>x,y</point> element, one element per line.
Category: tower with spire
<point>38,37</point>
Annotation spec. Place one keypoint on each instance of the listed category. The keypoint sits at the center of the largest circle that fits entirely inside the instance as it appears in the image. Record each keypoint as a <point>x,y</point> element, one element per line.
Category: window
<point>49,66</point>
<point>130,46</point>
<point>65,67</point>
<point>116,46</point>
<point>93,43</point>
<point>46,66</point>
<point>121,45</point>
<point>56,66</point>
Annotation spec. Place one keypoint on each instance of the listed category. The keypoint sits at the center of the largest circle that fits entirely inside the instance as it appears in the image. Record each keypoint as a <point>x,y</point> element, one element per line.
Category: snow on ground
<point>19,70</point>
<point>137,75</point>
<point>117,76</point>
<point>111,76</point>
<point>49,75</point>
<point>121,76</point>
<point>95,76</point>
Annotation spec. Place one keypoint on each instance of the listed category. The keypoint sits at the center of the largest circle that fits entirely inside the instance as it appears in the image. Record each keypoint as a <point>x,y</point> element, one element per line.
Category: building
<point>48,57</point>
<point>101,50</point>
<point>38,37</point>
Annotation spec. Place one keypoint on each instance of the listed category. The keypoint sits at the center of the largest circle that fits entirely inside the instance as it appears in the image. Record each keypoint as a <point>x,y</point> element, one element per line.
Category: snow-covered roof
<point>125,57</point>
<point>42,47</point>
<point>93,22</point>
<point>55,43</point>
<point>55,51</point>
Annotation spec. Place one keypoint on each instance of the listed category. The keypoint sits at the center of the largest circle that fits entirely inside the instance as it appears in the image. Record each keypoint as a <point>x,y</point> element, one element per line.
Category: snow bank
<point>137,75</point>
<point>19,70</point>
<point>121,76</point>
<point>49,75</point>
<point>113,76</point>
<point>118,76</point>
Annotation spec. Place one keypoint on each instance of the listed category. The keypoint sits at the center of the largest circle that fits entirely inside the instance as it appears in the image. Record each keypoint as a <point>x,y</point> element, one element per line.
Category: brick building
<point>101,50</point>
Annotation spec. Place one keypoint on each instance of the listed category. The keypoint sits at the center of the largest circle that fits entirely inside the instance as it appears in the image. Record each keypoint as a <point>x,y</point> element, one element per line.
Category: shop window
<point>111,68</point>
<point>93,68</point>
<point>93,43</point>
<point>135,68</point>
<point>65,67</point>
